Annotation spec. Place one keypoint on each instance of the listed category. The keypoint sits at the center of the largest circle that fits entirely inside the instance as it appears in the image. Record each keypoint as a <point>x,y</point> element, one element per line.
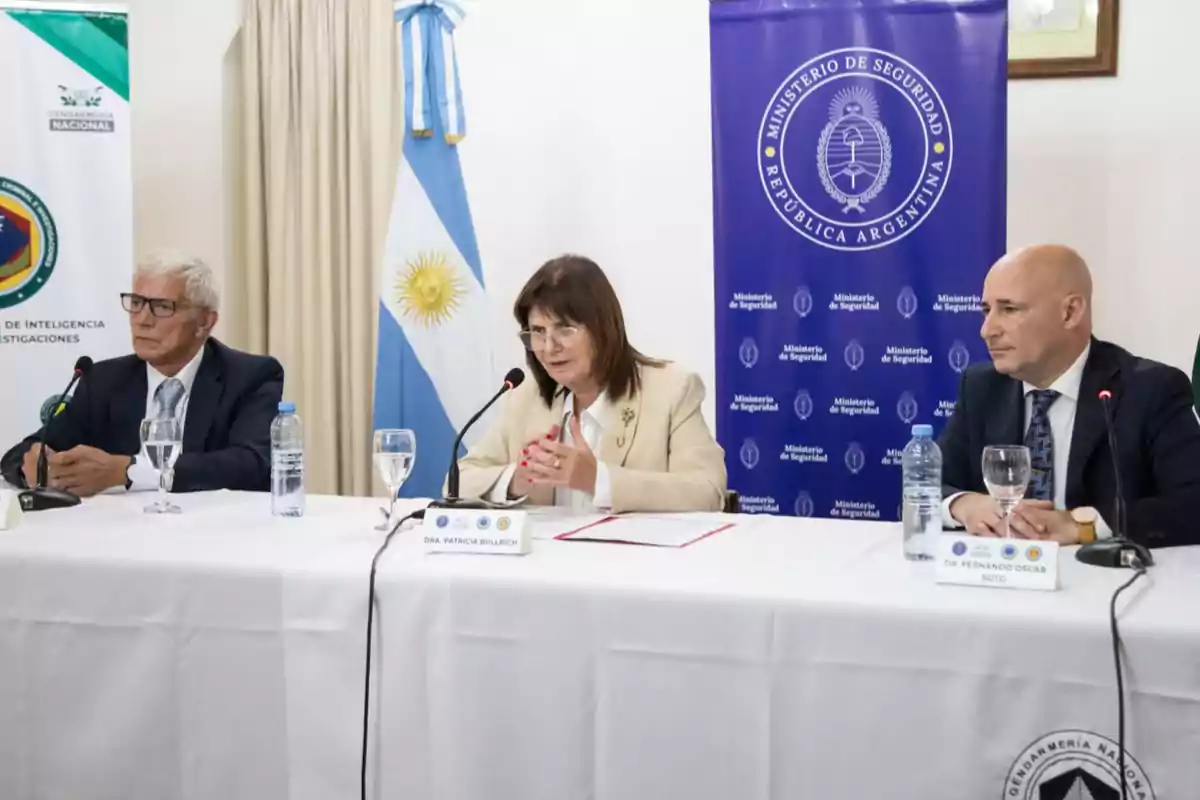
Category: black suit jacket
<point>226,435</point>
<point>1158,439</point>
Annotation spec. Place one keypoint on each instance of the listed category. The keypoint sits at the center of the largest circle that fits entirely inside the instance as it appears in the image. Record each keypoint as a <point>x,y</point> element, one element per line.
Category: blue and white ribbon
<point>426,29</point>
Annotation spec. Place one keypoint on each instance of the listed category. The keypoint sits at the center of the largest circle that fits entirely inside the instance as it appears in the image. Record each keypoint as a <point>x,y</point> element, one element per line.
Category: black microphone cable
<point>418,514</point>
<point>1132,560</point>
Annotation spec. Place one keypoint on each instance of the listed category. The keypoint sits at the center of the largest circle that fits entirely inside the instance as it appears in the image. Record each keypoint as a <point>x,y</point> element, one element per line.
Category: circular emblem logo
<point>855,458</point>
<point>854,355</point>
<point>443,521</point>
<point>28,243</point>
<point>749,454</point>
<point>804,505</point>
<point>483,523</point>
<point>1034,553</point>
<point>1009,551</point>
<point>1074,764</point>
<point>748,353</point>
<point>803,404</point>
<point>959,549</point>
<point>906,408</point>
<point>503,524</point>
<point>855,149</point>
<point>960,357</point>
<point>802,302</point>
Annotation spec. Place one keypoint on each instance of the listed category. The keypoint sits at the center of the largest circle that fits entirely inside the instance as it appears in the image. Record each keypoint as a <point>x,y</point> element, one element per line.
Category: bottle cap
<point>287,407</point>
<point>922,430</point>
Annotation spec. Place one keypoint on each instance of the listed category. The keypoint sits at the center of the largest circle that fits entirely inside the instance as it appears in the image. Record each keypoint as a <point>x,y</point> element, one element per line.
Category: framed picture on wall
<point>1062,38</point>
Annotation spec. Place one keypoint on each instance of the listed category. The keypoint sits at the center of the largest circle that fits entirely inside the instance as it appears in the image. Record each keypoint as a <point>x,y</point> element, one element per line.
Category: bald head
<point>1050,267</point>
<point>1038,312</point>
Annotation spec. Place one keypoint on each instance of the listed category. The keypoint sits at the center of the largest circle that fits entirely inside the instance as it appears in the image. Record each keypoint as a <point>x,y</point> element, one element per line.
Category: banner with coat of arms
<point>859,200</point>
<point>66,206</point>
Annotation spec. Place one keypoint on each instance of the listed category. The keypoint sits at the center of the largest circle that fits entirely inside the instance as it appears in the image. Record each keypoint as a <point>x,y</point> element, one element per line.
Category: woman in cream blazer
<point>601,426</point>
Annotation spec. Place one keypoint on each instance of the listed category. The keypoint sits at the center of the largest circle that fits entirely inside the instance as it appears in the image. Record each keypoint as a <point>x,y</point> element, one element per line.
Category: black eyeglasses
<point>159,306</point>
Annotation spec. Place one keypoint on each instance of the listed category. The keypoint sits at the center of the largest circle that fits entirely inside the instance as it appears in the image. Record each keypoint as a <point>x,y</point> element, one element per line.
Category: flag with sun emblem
<point>434,366</point>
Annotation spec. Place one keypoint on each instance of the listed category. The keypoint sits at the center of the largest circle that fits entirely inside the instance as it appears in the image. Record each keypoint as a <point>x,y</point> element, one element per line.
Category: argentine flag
<point>434,367</point>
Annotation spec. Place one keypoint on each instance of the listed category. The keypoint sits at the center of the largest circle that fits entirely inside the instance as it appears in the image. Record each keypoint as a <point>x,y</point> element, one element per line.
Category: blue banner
<point>859,199</point>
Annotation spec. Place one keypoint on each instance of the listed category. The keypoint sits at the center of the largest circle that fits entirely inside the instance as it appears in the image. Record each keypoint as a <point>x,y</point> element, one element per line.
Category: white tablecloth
<point>218,654</point>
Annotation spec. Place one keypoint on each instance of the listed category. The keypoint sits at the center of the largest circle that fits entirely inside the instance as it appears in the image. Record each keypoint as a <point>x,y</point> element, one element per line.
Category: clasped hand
<point>1031,519</point>
<point>548,462</point>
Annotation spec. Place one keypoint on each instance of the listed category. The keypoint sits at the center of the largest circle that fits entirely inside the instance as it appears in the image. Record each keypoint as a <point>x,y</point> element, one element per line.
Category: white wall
<point>589,131</point>
<point>183,96</point>
<point>1110,165</point>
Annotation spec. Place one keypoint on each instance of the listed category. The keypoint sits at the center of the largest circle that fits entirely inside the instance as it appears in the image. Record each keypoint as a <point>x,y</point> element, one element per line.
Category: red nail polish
<point>524,464</point>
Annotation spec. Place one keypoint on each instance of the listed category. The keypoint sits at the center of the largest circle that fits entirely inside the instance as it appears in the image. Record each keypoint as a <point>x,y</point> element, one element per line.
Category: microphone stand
<point>452,500</point>
<point>42,497</point>
<point>1118,551</point>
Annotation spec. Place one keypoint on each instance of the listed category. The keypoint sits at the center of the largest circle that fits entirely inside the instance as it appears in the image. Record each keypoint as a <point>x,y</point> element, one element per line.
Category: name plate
<point>1004,563</point>
<point>10,510</point>
<point>487,531</point>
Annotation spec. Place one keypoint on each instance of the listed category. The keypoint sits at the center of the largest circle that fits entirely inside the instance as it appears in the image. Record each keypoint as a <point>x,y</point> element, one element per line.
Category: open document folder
<point>655,530</point>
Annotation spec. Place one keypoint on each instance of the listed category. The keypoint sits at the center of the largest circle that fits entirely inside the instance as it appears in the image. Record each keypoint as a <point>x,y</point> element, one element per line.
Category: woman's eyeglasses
<point>540,339</point>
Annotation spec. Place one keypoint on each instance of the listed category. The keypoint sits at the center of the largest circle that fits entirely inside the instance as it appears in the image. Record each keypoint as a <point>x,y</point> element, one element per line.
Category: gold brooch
<point>627,416</point>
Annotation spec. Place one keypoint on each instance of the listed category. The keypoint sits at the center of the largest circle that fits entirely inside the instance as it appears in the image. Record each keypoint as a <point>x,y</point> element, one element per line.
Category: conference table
<point>219,653</point>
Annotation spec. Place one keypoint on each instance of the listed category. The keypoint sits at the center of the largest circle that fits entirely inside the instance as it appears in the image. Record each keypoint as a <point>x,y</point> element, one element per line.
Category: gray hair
<point>200,285</point>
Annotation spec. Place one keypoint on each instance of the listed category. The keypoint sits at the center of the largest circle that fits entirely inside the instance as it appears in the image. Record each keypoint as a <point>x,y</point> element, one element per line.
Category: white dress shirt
<point>592,423</point>
<point>1062,426</point>
<point>142,475</point>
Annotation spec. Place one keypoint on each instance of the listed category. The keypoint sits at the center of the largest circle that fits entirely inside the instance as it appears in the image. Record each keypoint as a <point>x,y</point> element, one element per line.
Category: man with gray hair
<point>224,399</point>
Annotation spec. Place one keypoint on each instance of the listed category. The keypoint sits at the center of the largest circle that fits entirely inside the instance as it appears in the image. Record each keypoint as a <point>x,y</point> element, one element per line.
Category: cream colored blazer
<point>660,453</point>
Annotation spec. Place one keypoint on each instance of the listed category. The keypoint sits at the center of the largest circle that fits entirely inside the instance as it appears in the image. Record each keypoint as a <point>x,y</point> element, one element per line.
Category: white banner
<point>66,227</point>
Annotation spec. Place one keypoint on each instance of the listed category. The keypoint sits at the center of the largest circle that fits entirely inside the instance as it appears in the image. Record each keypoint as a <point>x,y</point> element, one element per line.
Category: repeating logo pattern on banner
<point>852,239</point>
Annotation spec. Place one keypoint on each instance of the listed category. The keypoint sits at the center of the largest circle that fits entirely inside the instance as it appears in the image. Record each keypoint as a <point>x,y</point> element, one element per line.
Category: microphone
<point>1118,551</point>
<point>41,497</point>
<point>514,378</point>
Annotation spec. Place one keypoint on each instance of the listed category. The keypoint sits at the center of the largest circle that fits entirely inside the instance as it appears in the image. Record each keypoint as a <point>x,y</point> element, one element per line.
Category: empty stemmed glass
<point>162,439</point>
<point>1006,475</point>
<point>395,453</point>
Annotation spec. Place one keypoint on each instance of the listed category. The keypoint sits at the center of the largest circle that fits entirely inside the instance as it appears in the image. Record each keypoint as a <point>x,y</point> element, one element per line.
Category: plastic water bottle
<point>922,465</point>
<point>287,463</point>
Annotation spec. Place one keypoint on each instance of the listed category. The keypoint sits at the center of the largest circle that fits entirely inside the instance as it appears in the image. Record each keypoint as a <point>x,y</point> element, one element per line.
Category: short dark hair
<point>575,290</point>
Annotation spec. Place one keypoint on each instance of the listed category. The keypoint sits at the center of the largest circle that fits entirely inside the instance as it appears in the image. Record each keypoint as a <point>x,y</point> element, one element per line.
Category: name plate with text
<point>487,531</point>
<point>1004,563</point>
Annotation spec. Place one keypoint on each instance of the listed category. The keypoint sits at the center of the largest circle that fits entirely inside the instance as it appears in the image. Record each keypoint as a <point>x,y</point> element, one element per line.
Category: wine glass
<point>395,453</point>
<point>1006,475</point>
<point>162,439</point>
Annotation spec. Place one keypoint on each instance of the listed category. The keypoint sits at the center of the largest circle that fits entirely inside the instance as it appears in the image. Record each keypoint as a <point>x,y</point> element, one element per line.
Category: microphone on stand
<point>1117,551</point>
<point>41,497</point>
<point>514,378</point>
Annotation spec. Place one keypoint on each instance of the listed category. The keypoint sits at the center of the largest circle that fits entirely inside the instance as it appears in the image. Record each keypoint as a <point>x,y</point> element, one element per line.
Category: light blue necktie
<point>167,397</point>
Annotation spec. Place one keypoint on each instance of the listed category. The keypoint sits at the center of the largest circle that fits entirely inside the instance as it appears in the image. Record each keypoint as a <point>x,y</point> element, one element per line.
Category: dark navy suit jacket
<point>226,435</point>
<point>1157,434</point>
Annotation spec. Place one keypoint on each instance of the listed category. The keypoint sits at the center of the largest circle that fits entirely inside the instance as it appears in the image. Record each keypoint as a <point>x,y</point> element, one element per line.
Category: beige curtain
<point>319,143</point>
